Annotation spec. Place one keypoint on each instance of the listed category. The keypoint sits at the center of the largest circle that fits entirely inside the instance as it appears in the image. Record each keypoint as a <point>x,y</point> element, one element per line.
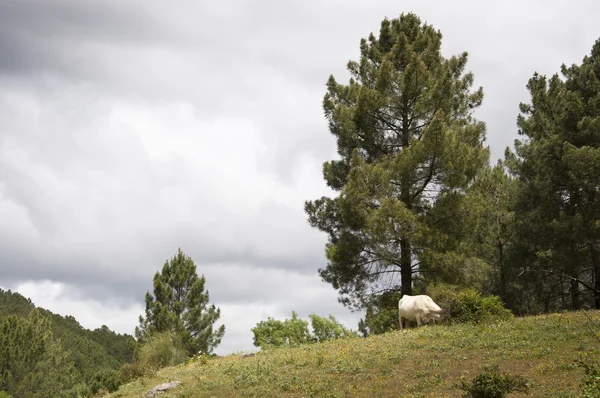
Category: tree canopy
<point>557,165</point>
<point>408,148</point>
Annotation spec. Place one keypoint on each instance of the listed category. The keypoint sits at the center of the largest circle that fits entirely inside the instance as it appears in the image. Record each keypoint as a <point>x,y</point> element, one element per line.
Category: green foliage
<point>294,332</point>
<point>108,379</point>
<point>274,333</point>
<point>180,305</point>
<point>468,305</point>
<point>160,350</point>
<point>90,351</point>
<point>131,371</point>
<point>381,315</point>
<point>120,347</point>
<point>409,147</point>
<point>489,220</point>
<point>4,394</point>
<point>324,329</point>
<point>32,362</point>
<point>591,383</point>
<point>492,384</point>
<point>557,165</point>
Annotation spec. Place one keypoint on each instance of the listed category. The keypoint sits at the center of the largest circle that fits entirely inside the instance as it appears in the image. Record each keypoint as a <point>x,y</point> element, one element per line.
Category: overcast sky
<point>131,128</point>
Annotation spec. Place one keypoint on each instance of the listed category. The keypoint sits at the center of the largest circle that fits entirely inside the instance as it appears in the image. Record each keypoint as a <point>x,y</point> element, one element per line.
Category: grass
<point>426,362</point>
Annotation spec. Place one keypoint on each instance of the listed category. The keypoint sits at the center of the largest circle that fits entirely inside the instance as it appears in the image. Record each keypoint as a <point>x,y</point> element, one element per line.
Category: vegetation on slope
<point>86,353</point>
<point>430,361</point>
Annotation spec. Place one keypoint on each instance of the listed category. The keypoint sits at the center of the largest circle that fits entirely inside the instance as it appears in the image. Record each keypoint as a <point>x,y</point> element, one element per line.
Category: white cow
<point>420,308</point>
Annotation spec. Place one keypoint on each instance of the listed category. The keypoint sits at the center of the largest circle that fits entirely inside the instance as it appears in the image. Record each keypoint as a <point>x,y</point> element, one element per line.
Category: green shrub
<point>159,351</point>
<point>274,333</point>
<point>131,371</point>
<point>4,394</point>
<point>468,305</point>
<point>108,380</point>
<point>494,385</point>
<point>328,328</point>
<point>381,315</point>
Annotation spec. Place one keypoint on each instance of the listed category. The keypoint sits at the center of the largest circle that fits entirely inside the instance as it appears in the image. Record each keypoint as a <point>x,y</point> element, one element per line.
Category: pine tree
<point>558,169</point>
<point>180,305</point>
<point>490,221</point>
<point>408,148</point>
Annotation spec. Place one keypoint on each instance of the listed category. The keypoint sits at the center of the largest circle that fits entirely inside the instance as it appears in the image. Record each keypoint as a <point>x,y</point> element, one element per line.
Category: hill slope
<point>91,351</point>
<point>424,362</point>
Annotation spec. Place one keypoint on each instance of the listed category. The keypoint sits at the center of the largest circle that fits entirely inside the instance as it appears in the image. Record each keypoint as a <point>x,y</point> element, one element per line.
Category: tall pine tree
<point>558,168</point>
<point>408,147</point>
<point>180,305</point>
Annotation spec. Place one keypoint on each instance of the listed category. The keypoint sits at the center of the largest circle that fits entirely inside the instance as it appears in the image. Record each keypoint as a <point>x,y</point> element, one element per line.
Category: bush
<point>328,328</point>
<point>494,385</point>
<point>468,305</point>
<point>275,333</point>
<point>108,380</point>
<point>131,371</point>
<point>159,351</point>
<point>381,315</point>
<point>294,332</point>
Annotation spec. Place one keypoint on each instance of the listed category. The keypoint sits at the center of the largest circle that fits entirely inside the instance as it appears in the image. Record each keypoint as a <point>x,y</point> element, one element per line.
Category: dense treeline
<point>36,343</point>
<point>419,209</point>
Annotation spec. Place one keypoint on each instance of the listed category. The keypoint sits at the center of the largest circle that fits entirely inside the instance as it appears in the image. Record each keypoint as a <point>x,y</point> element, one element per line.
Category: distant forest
<point>44,354</point>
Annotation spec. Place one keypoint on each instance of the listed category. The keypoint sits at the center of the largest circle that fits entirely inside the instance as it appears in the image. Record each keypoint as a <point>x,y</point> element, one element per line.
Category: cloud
<point>129,129</point>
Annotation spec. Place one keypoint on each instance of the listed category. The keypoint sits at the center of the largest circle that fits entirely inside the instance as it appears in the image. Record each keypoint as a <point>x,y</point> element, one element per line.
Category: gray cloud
<point>129,129</point>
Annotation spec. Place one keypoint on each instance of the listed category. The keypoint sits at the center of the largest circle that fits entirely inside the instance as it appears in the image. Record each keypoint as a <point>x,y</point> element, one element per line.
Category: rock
<point>251,354</point>
<point>162,388</point>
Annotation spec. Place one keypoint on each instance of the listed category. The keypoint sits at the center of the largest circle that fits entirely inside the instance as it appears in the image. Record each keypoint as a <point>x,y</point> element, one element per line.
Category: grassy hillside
<point>425,362</point>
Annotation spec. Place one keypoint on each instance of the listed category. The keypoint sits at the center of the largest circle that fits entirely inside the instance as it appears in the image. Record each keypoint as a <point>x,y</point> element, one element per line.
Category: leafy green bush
<point>4,394</point>
<point>468,305</point>
<point>275,333</point>
<point>328,328</point>
<point>492,384</point>
<point>293,332</point>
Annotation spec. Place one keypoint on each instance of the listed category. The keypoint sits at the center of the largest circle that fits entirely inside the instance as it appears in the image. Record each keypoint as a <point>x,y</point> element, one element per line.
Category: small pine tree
<point>180,305</point>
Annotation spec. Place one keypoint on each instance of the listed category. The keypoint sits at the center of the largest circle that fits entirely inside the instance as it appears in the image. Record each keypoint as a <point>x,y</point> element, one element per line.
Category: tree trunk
<point>596,267</point>
<point>405,267</point>
<point>575,294</point>
<point>575,302</point>
<point>502,272</point>
<point>405,196</point>
<point>563,290</point>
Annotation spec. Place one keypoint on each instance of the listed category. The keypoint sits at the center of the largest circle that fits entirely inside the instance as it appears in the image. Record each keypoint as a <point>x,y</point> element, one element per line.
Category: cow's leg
<point>418,316</point>
<point>400,316</point>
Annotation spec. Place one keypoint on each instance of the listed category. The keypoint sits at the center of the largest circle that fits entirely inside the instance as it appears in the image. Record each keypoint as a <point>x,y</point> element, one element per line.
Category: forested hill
<point>91,351</point>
